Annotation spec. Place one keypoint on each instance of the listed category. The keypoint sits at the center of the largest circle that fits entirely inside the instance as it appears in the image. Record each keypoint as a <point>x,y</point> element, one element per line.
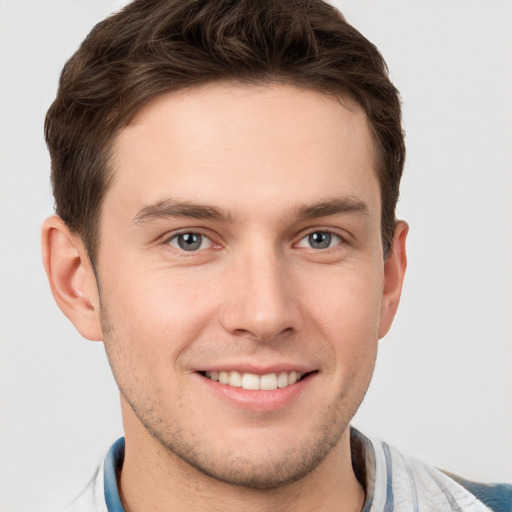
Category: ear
<point>71,277</point>
<point>394,272</point>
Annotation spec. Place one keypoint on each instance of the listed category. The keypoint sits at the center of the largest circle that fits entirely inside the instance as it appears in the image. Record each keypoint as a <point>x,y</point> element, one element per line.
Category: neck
<point>153,478</point>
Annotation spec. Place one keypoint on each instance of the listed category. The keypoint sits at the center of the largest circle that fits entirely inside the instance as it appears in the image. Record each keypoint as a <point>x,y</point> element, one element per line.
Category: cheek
<point>156,312</point>
<point>344,308</point>
<point>345,301</point>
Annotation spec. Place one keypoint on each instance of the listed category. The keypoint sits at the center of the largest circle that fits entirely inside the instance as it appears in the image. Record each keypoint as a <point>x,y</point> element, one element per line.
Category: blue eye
<point>190,241</point>
<point>320,240</point>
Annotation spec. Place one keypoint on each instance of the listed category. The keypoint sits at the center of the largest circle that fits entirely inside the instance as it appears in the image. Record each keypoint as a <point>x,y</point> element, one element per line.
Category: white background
<point>443,386</point>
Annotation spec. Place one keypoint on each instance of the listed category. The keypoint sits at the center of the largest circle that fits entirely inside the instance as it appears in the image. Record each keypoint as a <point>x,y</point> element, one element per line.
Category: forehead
<point>244,146</point>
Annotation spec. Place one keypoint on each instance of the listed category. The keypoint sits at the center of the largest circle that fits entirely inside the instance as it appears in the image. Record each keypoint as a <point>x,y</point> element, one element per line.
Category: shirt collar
<point>112,471</point>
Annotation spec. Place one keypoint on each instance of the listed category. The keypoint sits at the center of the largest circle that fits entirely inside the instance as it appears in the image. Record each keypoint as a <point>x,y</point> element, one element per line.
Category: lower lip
<point>259,400</point>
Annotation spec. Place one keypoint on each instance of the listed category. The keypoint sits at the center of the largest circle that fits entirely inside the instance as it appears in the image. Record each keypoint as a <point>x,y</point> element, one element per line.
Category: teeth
<point>250,381</point>
<point>283,380</point>
<point>235,379</point>
<point>267,382</point>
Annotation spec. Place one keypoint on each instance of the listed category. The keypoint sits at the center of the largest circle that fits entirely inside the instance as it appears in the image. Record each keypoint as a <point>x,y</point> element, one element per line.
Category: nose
<point>261,300</point>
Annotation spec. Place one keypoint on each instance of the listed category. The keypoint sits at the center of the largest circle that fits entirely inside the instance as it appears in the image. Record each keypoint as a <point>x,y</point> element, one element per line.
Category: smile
<point>251,381</point>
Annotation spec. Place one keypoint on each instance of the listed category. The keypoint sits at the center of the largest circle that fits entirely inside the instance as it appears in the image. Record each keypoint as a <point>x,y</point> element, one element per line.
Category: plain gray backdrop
<point>442,389</point>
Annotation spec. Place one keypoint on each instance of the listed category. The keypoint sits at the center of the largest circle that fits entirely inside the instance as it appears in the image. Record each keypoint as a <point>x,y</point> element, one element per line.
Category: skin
<point>253,170</point>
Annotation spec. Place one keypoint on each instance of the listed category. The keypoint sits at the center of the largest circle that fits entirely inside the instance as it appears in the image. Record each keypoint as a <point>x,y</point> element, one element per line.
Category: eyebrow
<point>174,208</point>
<point>333,206</point>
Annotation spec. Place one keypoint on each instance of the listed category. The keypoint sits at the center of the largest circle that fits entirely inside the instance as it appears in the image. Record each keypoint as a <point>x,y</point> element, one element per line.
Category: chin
<point>265,461</point>
<point>272,470</point>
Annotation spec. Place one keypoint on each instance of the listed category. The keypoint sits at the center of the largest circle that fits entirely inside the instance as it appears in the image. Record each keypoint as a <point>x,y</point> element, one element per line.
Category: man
<point>225,177</point>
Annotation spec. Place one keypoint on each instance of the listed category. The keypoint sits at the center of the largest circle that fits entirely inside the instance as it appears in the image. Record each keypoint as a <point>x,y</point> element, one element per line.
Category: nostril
<point>264,334</point>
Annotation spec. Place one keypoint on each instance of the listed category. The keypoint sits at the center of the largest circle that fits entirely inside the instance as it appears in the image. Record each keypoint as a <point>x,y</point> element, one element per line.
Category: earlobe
<point>71,277</point>
<point>394,271</point>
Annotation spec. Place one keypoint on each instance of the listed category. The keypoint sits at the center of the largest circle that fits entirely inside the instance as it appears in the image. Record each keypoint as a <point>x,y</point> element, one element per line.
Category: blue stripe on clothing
<point>447,494</point>
<point>112,466</point>
<point>412,482</point>
<point>390,500</point>
<point>363,461</point>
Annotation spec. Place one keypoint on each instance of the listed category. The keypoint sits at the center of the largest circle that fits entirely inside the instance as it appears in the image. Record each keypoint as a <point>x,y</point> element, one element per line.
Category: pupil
<point>320,240</point>
<point>189,241</point>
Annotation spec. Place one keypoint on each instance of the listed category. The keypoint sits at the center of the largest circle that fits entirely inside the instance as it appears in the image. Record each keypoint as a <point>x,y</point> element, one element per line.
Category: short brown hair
<point>153,47</point>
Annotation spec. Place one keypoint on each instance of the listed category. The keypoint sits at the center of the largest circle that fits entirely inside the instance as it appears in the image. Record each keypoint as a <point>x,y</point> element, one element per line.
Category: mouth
<point>252,381</point>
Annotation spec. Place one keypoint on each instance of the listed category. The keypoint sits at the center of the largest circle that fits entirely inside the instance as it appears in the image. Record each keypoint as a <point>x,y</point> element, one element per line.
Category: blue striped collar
<point>112,470</point>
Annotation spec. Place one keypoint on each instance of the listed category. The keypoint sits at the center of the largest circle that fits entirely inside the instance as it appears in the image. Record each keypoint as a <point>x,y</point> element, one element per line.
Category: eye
<point>320,240</point>
<point>190,241</point>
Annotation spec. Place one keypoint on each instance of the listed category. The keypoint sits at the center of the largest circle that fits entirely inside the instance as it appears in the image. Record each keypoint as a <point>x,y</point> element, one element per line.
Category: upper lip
<point>245,367</point>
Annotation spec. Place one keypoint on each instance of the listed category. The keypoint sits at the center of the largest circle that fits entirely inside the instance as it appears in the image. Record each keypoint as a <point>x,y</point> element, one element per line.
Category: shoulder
<point>398,482</point>
<point>496,496</point>
<point>431,487</point>
<point>101,493</point>
<point>91,498</point>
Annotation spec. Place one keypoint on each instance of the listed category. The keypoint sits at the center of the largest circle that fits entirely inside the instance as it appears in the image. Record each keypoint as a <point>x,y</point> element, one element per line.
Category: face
<point>241,276</point>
